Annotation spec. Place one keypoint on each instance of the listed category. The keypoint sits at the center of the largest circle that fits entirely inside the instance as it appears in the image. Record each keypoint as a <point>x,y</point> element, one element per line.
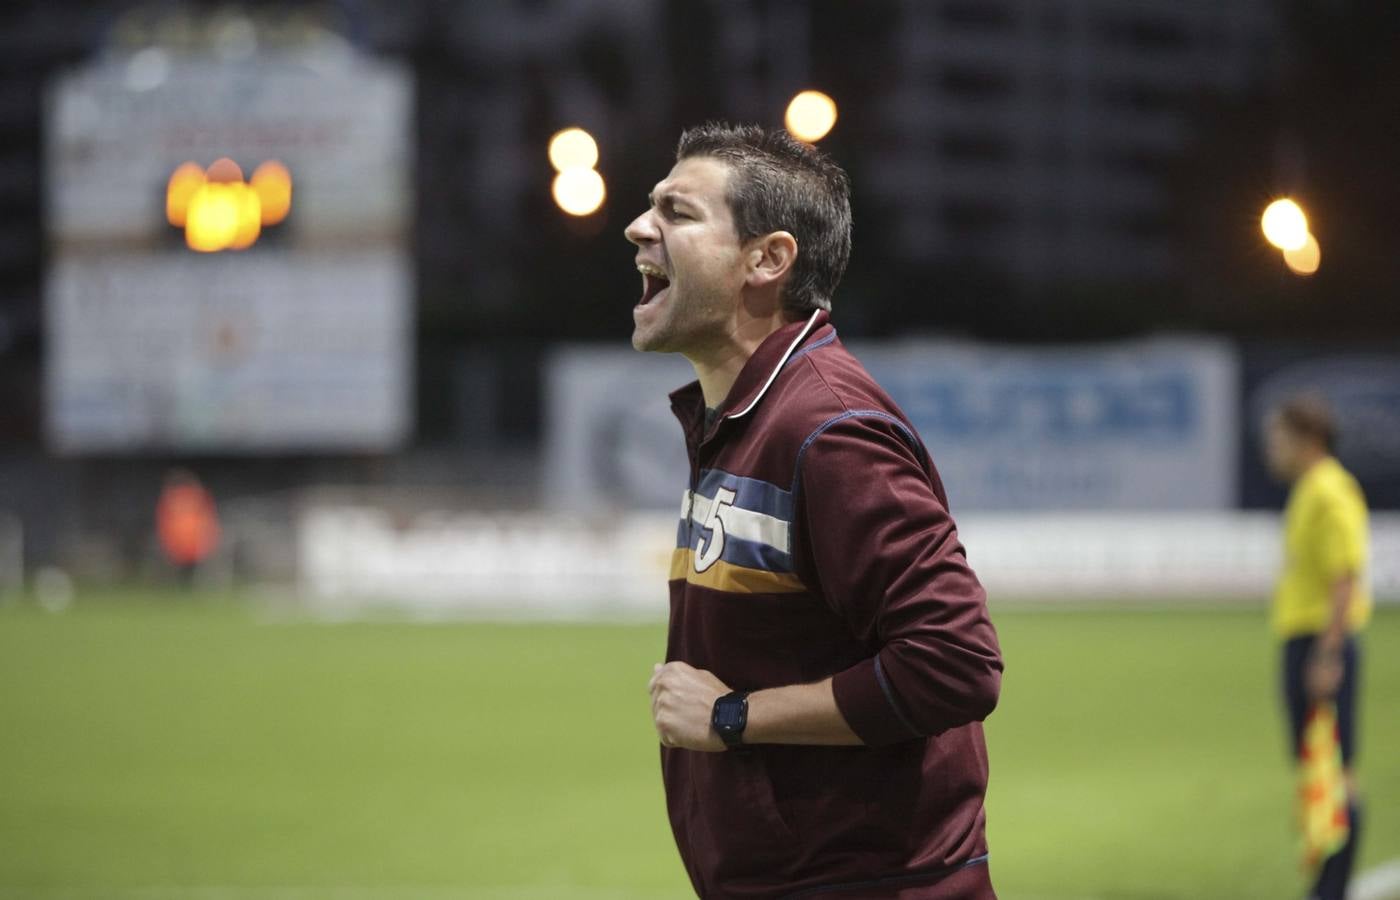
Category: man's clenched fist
<point>682,701</point>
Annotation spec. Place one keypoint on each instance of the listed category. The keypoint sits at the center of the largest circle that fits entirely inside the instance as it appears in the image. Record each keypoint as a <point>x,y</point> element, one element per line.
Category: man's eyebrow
<point>668,196</point>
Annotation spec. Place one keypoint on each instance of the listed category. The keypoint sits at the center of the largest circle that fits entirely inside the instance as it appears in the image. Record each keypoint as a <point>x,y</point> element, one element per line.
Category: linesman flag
<point>1322,790</point>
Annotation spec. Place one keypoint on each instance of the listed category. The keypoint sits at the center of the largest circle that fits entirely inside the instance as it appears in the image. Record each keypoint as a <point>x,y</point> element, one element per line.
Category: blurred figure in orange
<point>186,522</point>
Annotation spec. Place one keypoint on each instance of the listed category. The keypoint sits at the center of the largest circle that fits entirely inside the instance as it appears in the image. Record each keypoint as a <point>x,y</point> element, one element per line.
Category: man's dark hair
<point>778,183</point>
<point>1309,416</point>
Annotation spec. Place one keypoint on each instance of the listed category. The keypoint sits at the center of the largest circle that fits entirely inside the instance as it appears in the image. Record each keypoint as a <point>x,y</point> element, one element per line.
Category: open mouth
<point>654,283</point>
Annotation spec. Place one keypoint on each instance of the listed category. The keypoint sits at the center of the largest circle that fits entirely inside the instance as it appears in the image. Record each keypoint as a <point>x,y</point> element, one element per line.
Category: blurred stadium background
<point>327,258</point>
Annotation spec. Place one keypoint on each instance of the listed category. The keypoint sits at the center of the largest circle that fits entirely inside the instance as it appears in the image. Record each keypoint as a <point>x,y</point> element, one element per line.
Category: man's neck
<point>718,371</point>
<point>1309,462</point>
<point>718,366</point>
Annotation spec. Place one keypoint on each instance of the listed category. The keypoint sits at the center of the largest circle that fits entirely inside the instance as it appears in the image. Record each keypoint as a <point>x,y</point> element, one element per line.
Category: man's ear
<point>771,258</point>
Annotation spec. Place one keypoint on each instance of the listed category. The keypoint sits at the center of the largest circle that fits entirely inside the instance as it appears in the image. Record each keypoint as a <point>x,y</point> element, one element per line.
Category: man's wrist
<point>729,718</point>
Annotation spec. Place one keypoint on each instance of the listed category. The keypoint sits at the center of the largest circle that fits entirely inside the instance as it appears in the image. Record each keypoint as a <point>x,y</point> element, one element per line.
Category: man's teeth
<point>654,282</point>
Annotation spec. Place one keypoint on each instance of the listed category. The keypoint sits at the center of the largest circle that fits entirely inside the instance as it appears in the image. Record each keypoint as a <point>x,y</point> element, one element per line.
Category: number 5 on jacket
<point>709,554</point>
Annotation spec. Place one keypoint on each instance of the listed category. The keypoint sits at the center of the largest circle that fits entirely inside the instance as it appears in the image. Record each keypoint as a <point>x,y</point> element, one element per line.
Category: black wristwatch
<point>731,717</point>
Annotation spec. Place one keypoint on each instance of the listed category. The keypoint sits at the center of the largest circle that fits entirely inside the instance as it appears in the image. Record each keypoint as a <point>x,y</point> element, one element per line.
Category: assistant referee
<point>1323,599</point>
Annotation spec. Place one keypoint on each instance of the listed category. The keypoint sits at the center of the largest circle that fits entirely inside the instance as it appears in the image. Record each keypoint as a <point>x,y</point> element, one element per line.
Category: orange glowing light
<point>273,184</point>
<point>249,217</point>
<point>223,171</point>
<point>1306,260</point>
<point>219,210</point>
<point>211,222</point>
<point>184,181</point>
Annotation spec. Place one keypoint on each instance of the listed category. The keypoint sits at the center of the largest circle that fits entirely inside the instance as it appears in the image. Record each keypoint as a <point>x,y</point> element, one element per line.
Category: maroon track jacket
<point>815,541</point>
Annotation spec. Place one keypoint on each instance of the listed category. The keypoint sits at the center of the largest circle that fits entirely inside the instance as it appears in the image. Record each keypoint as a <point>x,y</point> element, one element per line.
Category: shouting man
<point>830,657</point>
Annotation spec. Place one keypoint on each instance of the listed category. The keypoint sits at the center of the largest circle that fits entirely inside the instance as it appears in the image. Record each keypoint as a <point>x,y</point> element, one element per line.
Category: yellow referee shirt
<point>1326,536</point>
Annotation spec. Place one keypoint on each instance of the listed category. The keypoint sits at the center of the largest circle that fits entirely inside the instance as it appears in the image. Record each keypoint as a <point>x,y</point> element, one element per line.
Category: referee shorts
<point>1295,692</point>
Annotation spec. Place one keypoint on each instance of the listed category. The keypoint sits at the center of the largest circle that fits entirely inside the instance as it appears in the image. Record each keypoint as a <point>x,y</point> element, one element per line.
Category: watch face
<point>730,714</point>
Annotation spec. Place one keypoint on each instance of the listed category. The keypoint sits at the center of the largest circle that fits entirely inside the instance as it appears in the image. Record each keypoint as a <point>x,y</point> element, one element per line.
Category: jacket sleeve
<point>887,557</point>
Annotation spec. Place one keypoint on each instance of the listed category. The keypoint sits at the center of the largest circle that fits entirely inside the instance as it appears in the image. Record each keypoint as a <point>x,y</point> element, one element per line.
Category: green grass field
<point>164,747</point>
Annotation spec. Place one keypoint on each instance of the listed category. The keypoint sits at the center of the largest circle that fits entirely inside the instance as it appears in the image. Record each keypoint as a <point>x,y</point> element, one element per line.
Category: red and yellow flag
<point>1322,789</point>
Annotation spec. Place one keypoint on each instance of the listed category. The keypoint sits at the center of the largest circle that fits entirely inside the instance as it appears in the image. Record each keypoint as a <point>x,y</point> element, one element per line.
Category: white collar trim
<point>773,376</point>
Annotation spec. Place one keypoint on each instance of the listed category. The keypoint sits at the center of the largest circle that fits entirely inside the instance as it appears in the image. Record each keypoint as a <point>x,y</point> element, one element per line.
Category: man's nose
<point>642,230</point>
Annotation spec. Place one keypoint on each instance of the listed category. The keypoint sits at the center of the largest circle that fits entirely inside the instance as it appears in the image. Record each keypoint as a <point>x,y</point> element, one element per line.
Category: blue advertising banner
<point>1138,425</point>
<point>1147,424</point>
<point>1362,386</point>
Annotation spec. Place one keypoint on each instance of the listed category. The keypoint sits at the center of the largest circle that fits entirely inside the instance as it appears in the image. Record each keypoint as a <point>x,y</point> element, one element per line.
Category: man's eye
<point>677,214</point>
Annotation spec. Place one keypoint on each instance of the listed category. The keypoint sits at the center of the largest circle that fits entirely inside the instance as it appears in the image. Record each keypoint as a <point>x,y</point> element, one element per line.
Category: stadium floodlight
<point>578,188</point>
<point>810,116</point>
<point>1285,224</point>
<point>1306,259</point>
<point>579,192</point>
<point>572,148</point>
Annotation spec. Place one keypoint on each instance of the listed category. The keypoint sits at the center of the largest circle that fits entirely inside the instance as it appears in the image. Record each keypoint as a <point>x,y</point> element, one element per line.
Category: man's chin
<point>649,346</point>
<point>647,341</point>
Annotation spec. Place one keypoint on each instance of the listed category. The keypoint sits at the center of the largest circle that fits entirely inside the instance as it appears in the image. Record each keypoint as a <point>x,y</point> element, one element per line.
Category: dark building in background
<point>1031,138</point>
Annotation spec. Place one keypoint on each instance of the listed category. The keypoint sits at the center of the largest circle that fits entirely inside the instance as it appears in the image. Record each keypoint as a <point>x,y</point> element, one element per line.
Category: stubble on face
<point>689,321</point>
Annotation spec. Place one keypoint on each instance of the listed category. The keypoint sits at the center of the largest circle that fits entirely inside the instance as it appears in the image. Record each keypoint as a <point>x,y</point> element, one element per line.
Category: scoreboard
<point>289,330</point>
